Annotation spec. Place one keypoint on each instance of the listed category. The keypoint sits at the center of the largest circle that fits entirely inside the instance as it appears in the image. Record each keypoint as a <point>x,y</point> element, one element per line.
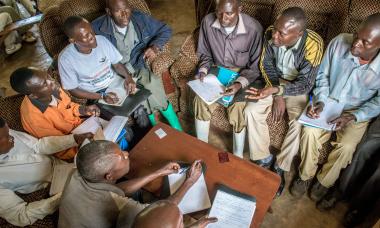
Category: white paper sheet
<point>117,86</point>
<point>209,90</point>
<point>331,111</point>
<point>91,124</point>
<point>196,199</point>
<point>231,211</point>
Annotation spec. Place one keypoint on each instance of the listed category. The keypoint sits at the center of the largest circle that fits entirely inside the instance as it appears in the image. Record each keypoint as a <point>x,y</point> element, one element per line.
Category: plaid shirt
<point>307,57</point>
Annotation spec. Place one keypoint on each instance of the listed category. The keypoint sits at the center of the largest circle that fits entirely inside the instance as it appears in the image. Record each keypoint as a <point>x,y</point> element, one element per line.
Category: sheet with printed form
<point>232,208</point>
<point>209,90</point>
<point>111,129</point>
<point>196,199</point>
<point>331,111</point>
<point>117,87</point>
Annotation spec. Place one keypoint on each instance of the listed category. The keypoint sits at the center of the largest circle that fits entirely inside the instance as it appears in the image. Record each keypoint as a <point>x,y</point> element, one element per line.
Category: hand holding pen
<point>314,111</point>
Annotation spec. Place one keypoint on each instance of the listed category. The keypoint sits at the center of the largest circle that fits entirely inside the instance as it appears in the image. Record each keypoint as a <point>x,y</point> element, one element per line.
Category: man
<point>289,64</point>
<point>93,198</point>
<point>360,182</point>
<point>138,37</point>
<point>230,39</point>
<point>349,74</point>
<point>25,168</point>
<point>169,215</point>
<point>46,109</point>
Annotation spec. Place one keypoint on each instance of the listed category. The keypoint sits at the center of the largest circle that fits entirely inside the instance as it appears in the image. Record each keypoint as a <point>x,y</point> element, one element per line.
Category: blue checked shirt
<point>342,78</point>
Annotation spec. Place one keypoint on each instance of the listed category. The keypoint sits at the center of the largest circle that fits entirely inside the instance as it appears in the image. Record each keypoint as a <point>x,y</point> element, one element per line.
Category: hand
<point>111,98</point>
<point>194,172</point>
<point>79,138</point>
<point>314,111</point>
<point>200,76</point>
<point>129,85</point>
<point>203,222</point>
<point>89,110</point>
<point>232,89</point>
<point>278,108</point>
<point>342,121</point>
<point>256,94</point>
<point>171,167</point>
<point>151,53</point>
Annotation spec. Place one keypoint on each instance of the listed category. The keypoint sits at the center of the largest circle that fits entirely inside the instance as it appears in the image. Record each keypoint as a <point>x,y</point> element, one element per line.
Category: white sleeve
<point>111,51</point>
<point>46,145</point>
<point>20,213</point>
<point>67,74</point>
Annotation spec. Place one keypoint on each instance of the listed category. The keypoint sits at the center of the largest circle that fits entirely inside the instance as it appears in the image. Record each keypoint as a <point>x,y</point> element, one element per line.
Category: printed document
<point>331,111</point>
<point>196,199</point>
<point>209,90</point>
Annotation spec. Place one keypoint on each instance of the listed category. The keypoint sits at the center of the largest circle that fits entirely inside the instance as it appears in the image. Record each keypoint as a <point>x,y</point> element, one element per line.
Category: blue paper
<point>226,76</point>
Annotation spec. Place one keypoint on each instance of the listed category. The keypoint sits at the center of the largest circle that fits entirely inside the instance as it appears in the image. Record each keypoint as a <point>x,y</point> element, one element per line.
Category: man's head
<point>120,11</point>
<point>289,27</point>
<point>102,161</point>
<point>366,42</point>
<point>80,33</point>
<point>164,211</point>
<point>6,140</point>
<point>227,12</point>
<point>33,82</point>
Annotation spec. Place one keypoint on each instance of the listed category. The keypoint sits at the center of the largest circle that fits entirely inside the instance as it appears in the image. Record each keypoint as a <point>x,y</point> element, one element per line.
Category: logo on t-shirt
<point>102,60</point>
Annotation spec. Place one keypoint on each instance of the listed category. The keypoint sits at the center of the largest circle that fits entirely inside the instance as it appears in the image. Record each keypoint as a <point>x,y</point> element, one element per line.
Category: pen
<point>311,102</point>
<point>183,170</point>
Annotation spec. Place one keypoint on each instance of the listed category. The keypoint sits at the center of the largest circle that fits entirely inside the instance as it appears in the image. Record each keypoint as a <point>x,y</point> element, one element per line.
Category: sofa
<point>327,17</point>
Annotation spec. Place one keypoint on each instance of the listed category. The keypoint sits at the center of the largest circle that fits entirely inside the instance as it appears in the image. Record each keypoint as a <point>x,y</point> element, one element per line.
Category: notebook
<point>331,111</point>
<point>232,208</point>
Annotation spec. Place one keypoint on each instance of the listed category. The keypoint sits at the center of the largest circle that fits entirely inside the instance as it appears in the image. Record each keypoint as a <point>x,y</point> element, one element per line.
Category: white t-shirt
<point>91,72</point>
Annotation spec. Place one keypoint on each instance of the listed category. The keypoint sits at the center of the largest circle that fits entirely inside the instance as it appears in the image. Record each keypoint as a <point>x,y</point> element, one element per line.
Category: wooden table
<point>151,153</point>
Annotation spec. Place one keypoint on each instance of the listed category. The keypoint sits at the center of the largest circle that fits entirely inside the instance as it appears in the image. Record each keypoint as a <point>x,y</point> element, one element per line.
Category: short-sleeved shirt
<point>90,72</point>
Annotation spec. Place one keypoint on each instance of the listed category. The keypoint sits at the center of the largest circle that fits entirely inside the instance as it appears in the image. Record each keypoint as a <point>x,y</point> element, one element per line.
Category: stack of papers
<point>210,90</point>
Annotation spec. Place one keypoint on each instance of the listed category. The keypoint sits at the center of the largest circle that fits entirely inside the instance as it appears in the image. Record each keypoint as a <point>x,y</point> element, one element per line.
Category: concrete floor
<point>180,15</point>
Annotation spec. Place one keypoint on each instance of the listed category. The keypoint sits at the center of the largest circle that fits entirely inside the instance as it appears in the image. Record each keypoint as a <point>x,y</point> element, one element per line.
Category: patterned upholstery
<point>359,10</point>
<point>324,16</point>
<point>49,221</point>
<point>10,111</point>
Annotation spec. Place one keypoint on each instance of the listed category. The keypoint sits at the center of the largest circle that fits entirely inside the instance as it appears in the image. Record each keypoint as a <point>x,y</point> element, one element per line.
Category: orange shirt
<point>42,120</point>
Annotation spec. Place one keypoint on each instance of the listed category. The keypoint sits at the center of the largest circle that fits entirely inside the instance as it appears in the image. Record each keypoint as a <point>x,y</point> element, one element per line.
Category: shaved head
<point>372,21</point>
<point>295,16</point>
<point>161,214</point>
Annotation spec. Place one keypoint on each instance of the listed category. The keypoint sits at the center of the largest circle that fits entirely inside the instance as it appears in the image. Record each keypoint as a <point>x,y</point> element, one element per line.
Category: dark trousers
<point>358,172</point>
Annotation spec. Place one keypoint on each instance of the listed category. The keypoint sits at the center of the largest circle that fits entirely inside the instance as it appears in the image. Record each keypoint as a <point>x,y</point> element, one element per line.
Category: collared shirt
<point>42,120</point>
<point>239,49</point>
<point>27,168</point>
<point>86,204</point>
<point>341,77</point>
<point>292,69</point>
<point>125,44</point>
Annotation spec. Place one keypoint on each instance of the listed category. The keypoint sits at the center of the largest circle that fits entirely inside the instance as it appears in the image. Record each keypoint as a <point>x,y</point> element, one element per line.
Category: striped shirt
<point>341,77</point>
<point>299,69</point>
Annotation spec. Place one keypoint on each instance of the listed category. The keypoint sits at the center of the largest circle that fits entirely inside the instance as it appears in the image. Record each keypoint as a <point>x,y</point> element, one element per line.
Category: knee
<point>310,132</point>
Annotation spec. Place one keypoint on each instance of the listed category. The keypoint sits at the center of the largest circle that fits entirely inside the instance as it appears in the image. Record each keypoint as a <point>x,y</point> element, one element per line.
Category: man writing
<point>289,64</point>
<point>25,167</point>
<point>46,109</point>
<point>230,39</point>
<point>138,37</point>
<point>349,74</point>
<point>94,190</point>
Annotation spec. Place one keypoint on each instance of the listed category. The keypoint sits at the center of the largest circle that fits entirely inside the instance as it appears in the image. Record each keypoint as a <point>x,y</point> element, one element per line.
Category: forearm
<point>53,144</point>
<point>85,94</point>
<point>131,186</point>
<point>121,70</point>
<point>180,193</point>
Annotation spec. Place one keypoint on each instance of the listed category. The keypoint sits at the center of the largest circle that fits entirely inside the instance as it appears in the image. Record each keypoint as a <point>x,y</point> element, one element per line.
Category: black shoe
<point>353,218</point>
<point>141,117</point>
<point>318,191</point>
<point>329,200</point>
<point>279,172</point>
<point>265,162</point>
<point>299,187</point>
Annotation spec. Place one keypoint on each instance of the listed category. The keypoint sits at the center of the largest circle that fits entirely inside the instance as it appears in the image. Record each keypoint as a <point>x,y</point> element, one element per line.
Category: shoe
<point>299,187</point>
<point>280,172</point>
<point>171,116</point>
<point>265,162</point>
<point>12,49</point>
<point>318,191</point>
<point>141,117</point>
<point>353,218</point>
<point>329,200</point>
<point>29,37</point>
